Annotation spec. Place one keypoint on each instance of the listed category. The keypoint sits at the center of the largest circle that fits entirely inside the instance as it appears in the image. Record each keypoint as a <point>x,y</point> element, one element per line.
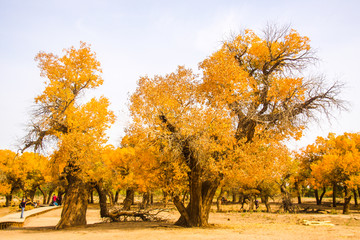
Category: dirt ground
<point>225,225</point>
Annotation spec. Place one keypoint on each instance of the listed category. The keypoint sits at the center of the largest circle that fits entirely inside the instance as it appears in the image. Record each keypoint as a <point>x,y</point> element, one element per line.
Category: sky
<point>138,38</point>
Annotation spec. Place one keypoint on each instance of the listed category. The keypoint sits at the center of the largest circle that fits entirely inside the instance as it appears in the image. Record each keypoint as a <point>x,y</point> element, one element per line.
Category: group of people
<point>55,201</point>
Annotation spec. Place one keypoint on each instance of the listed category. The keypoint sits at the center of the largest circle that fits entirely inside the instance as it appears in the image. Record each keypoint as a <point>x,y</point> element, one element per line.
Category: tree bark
<point>347,199</point>
<point>8,200</point>
<point>319,198</point>
<point>75,204</point>
<point>104,212</point>
<point>129,198</point>
<point>196,214</point>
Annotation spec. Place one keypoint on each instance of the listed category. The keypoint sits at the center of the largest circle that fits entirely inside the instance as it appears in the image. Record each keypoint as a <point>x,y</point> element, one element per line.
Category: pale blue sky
<point>135,38</point>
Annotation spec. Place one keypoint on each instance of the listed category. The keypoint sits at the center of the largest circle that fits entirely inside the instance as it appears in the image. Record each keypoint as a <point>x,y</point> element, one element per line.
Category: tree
<point>260,81</point>
<point>340,164</point>
<point>77,128</point>
<point>252,88</point>
<point>11,174</point>
<point>189,135</point>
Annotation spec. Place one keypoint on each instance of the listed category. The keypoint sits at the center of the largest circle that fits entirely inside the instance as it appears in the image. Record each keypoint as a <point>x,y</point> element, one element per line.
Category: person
<point>54,198</point>
<point>23,205</point>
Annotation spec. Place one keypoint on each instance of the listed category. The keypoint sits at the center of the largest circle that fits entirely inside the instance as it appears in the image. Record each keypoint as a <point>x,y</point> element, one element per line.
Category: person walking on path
<point>22,205</point>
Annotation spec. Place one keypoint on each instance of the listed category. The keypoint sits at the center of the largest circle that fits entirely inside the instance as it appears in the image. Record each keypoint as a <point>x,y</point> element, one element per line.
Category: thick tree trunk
<point>196,214</point>
<point>104,212</point>
<point>129,198</point>
<point>74,204</point>
<point>347,199</point>
<point>8,198</point>
<point>334,194</point>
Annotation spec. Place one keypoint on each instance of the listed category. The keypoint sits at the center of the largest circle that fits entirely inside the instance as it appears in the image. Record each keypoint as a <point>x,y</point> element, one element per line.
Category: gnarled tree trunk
<point>129,199</point>
<point>104,212</point>
<point>74,204</point>
<point>196,214</point>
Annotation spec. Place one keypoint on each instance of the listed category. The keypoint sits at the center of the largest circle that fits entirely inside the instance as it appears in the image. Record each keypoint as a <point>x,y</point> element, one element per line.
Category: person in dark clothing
<point>23,205</point>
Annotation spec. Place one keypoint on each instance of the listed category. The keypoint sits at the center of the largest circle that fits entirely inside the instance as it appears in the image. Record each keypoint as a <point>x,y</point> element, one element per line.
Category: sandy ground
<point>231,225</point>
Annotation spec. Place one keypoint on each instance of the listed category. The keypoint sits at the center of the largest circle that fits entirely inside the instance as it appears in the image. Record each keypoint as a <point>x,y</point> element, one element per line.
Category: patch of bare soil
<point>230,225</point>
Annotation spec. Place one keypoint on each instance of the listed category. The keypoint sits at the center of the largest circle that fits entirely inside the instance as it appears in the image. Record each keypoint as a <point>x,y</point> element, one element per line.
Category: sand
<point>231,225</point>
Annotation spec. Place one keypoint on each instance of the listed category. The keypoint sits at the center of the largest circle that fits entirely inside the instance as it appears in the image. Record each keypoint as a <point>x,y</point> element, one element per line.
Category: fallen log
<point>119,215</point>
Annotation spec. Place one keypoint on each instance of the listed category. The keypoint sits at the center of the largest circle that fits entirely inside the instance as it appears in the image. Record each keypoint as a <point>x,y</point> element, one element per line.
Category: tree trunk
<point>355,197</point>
<point>196,214</point>
<point>111,197</point>
<point>32,194</point>
<point>91,192</point>
<point>75,204</point>
<point>129,198</point>
<point>347,199</point>
<point>145,200</point>
<point>219,200</point>
<point>49,196</point>
<point>116,196</point>
<point>234,196</point>
<point>251,203</point>
<point>265,200</point>
<point>334,194</point>
<point>319,199</point>
<point>8,200</point>
<point>165,198</point>
<point>104,212</point>
<point>297,187</point>
<point>44,194</point>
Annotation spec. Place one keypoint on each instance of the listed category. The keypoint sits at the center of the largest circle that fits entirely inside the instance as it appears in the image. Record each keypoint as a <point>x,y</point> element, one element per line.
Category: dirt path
<point>224,226</point>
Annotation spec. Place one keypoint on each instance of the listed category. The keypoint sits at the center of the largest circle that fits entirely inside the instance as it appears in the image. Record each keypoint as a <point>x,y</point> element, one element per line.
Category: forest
<point>195,139</point>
